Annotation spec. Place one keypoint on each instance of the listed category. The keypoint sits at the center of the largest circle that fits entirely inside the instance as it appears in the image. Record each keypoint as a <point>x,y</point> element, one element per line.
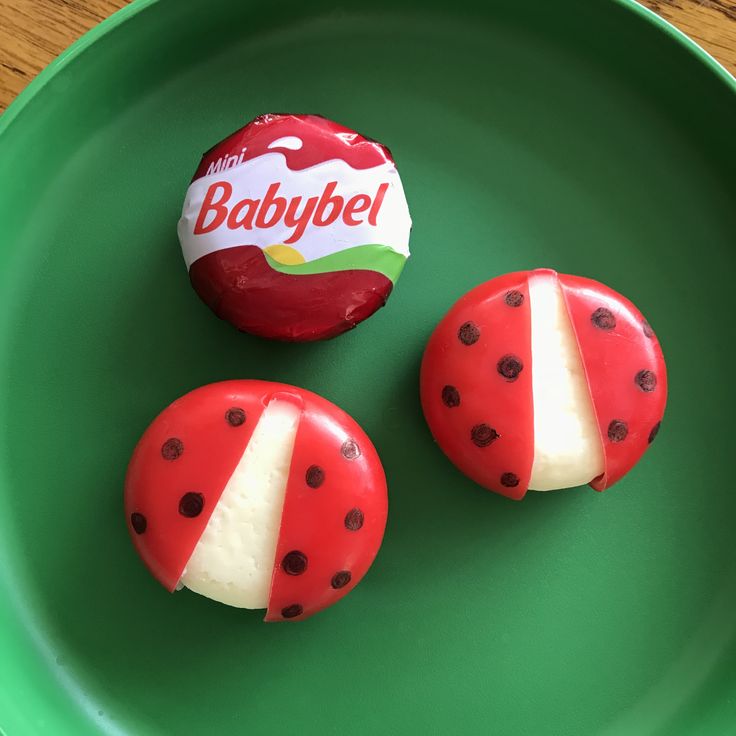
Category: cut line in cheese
<point>234,558</point>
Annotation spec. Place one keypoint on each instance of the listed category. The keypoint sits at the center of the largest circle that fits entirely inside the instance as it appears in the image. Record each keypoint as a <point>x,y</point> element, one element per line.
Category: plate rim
<point>119,17</point>
<point>17,107</point>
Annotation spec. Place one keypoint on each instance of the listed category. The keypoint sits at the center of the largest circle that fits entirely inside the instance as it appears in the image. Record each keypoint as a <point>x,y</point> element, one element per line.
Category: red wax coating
<point>240,287</point>
<point>334,512</point>
<point>625,370</point>
<point>482,420</point>
<point>327,140</point>
<point>211,447</point>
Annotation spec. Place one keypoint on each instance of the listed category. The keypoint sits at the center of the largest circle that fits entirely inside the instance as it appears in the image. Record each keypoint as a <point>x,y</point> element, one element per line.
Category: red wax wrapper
<point>295,227</point>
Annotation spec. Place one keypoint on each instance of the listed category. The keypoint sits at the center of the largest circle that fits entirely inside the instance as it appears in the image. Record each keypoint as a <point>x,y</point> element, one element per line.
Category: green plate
<point>584,135</point>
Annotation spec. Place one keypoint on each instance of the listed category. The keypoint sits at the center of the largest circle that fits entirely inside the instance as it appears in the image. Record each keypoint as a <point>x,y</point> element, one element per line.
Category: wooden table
<point>33,32</point>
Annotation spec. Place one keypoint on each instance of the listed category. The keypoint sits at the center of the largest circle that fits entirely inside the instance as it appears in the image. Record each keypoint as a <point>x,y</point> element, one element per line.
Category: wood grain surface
<point>33,32</point>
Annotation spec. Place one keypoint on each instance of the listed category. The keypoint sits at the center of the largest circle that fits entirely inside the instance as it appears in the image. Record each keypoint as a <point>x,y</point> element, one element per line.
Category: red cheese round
<point>476,379</point>
<point>335,505</point>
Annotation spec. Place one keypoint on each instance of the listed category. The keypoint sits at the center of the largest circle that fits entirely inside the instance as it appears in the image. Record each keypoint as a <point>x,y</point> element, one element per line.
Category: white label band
<point>316,211</point>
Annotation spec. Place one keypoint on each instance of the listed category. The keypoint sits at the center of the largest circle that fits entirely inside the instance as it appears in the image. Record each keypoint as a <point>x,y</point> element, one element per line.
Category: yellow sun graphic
<point>284,254</point>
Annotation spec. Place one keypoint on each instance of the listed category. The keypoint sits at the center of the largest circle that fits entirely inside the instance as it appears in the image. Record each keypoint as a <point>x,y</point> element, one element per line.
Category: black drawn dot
<point>350,450</point>
<point>450,397</point>
<point>191,504</point>
<point>172,448</point>
<point>235,416</point>
<point>617,431</point>
<point>138,522</point>
<point>510,480</point>
<point>354,519</point>
<point>340,579</point>
<point>294,563</point>
<point>482,435</point>
<point>603,319</point>
<point>646,381</point>
<point>514,298</point>
<point>468,334</point>
<point>510,366</point>
<point>315,476</point>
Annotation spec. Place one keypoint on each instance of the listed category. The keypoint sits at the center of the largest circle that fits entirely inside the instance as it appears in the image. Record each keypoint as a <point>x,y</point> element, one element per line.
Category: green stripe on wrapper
<point>379,258</point>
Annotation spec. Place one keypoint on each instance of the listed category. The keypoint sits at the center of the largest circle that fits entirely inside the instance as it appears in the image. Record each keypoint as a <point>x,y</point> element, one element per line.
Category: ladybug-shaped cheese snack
<point>258,495</point>
<point>295,227</point>
<point>538,380</point>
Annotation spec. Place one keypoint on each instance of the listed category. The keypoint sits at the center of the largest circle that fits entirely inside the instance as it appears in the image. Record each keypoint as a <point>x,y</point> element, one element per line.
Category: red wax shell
<point>334,512</point>
<point>335,504</point>
<point>327,140</point>
<point>625,369</point>
<point>476,379</point>
<point>193,446</point>
<point>240,287</point>
<point>477,403</point>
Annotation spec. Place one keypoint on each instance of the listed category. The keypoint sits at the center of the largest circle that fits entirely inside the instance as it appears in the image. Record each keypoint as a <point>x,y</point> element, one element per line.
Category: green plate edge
<point>16,637</point>
<point>138,6</point>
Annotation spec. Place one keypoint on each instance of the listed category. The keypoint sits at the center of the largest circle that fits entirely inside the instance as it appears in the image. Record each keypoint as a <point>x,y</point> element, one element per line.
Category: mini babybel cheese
<point>257,495</point>
<point>538,380</point>
<point>295,227</point>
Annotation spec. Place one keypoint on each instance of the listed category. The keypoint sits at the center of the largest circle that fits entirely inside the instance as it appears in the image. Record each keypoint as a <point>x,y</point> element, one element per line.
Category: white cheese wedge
<point>233,560</point>
<point>567,445</point>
